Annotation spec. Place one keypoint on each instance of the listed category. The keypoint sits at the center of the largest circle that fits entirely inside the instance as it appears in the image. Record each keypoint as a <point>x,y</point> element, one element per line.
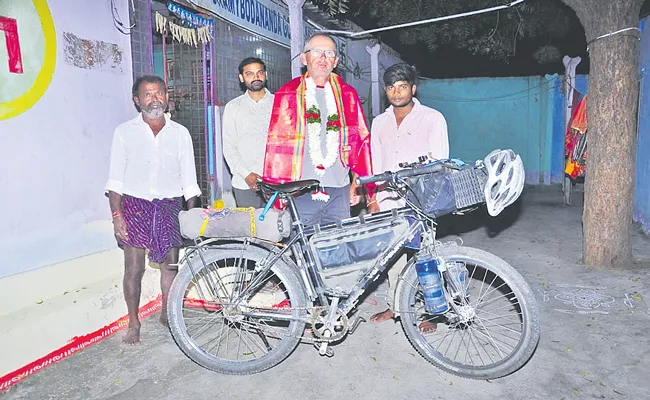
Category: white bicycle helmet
<point>505,180</point>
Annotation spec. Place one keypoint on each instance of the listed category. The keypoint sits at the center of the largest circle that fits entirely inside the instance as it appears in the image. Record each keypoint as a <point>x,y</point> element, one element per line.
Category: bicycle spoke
<point>494,326</point>
<point>218,321</point>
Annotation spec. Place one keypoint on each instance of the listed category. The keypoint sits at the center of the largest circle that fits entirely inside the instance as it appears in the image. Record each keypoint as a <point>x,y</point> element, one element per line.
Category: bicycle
<point>242,305</point>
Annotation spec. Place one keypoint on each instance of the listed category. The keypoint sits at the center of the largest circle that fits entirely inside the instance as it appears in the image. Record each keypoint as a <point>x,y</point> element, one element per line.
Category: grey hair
<point>307,42</point>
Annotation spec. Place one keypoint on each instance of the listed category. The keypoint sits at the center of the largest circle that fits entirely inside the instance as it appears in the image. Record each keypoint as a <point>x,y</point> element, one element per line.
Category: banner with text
<point>263,17</point>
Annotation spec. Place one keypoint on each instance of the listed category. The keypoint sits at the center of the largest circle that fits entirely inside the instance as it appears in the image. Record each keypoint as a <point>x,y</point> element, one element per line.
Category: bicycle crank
<point>328,328</point>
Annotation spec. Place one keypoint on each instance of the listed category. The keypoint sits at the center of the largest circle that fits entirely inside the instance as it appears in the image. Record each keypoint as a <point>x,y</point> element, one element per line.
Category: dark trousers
<point>248,198</point>
<point>314,212</point>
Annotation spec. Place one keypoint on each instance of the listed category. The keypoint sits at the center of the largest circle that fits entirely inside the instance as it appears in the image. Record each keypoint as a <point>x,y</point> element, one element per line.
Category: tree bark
<point>612,129</point>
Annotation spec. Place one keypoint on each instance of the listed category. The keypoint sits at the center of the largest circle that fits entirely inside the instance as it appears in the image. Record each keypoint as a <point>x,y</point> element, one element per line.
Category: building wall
<point>357,67</point>
<point>642,190</point>
<point>54,153</point>
<point>484,114</point>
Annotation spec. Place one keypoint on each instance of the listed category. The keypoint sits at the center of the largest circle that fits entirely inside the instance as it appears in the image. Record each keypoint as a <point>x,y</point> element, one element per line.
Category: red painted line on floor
<point>76,344</point>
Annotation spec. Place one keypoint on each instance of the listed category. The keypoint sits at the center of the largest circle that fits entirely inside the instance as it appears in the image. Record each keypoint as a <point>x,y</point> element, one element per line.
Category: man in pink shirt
<point>404,132</point>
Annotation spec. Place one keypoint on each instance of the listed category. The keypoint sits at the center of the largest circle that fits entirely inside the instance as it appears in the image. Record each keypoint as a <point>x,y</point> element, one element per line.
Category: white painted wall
<point>357,55</point>
<point>54,157</point>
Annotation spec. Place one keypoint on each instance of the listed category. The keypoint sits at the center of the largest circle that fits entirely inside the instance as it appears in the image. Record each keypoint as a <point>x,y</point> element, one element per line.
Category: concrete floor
<point>580,356</point>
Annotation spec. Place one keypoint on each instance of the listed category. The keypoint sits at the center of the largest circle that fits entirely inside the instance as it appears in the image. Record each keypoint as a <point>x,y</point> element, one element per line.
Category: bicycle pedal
<point>355,324</point>
<point>329,353</point>
<point>324,349</point>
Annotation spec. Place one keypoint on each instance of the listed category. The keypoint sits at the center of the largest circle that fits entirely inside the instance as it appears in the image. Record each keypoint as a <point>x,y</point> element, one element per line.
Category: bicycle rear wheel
<point>496,329</point>
<point>232,336</point>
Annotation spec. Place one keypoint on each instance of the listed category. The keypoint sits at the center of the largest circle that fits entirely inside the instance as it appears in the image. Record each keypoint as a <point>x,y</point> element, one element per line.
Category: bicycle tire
<point>530,328</point>
<point>212,256</point>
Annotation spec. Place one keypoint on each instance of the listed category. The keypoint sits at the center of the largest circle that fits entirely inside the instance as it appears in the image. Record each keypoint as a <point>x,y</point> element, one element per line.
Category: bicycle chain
<point>315,313</point>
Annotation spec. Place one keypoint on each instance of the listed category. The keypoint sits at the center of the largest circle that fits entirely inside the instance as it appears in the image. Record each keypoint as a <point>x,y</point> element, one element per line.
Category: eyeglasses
<point>319,53</point>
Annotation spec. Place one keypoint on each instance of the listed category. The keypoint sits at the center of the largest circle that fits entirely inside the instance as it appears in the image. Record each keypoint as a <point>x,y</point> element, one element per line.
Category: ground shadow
<point>456,224</point>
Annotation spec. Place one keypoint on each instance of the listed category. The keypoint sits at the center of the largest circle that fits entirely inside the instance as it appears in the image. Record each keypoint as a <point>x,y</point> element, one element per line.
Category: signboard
<point>193,20</point>
<point>262,17</point>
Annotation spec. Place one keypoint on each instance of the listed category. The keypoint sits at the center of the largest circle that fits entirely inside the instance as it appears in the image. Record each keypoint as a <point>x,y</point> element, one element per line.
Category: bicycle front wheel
<point>224,331</point>
<point>493,328</point>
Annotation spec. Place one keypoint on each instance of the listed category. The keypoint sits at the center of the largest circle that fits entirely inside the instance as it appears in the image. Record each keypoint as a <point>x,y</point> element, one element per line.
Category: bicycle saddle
<point>290,187</point>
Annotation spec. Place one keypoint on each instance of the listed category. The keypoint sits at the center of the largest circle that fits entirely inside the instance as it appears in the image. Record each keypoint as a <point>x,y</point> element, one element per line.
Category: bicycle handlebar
<point>404,173</point>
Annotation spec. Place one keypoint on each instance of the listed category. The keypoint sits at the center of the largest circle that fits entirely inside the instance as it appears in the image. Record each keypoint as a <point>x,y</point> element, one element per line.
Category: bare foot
<point>428,327</point>
<point>132,336</point>
<point>163,320</point>
<point>382,316</point>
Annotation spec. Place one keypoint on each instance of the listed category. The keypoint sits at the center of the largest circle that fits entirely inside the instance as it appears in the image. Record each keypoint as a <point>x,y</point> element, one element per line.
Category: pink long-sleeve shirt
<point>423,132</point>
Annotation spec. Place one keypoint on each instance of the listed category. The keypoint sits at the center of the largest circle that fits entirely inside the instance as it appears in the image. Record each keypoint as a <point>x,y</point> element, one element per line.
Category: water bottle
<point>426,266</point>
<point>458,274</point>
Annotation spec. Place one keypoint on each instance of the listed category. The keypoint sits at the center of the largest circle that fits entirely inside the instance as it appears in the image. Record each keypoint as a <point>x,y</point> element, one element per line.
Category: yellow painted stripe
<point>26,100</point>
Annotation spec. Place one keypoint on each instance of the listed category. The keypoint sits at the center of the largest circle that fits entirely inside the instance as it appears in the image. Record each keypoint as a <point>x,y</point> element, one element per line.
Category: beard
<point>256,85</point>
<point>154,110</point>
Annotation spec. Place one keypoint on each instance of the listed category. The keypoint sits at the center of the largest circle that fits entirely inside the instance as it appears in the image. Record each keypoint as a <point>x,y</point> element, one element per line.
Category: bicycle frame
<point>299,246</point>
<point>271,292</point>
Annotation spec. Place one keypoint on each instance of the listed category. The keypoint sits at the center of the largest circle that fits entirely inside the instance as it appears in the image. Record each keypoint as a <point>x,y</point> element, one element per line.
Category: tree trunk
<point>612,133</point>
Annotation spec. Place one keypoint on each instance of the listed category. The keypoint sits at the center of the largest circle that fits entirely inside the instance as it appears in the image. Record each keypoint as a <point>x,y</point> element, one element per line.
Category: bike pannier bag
<point>344,255</point>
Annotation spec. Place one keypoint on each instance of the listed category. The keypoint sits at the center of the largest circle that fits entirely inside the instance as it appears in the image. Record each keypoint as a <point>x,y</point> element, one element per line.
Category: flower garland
<point>313,116</point>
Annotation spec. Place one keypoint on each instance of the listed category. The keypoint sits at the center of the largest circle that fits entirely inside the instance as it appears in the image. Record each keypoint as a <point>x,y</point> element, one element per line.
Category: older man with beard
<point>151,170</point>
<point>245,124</point>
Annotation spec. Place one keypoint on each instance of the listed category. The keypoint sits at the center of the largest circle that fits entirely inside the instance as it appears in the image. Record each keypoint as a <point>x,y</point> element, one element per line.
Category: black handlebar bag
<point>447,191</point>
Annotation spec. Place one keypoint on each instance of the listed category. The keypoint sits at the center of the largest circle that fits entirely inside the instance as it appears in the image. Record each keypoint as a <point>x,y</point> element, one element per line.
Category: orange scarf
<point>285,145</point>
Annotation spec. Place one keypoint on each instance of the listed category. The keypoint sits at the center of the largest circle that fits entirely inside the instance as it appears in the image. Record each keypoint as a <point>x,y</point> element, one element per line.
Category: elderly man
<point>318,131</point>
<point>245,126</point>
<point>405,131</point>
<point>151,168</point>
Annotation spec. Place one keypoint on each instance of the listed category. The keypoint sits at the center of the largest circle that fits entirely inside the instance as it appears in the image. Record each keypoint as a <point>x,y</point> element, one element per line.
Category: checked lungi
<point>152,225</point>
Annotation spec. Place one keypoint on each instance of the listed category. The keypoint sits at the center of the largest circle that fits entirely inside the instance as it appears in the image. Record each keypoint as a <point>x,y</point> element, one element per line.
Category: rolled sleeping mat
<point>234,222</point>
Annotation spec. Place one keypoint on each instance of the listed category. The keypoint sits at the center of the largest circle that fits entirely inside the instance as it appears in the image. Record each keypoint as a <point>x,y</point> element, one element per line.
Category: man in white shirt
<point>245,127</point>
<point>404,132</point>
<point>151,169</point>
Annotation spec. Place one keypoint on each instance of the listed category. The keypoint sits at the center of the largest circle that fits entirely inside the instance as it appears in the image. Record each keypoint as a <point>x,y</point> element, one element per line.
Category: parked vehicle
<point>242,305</point>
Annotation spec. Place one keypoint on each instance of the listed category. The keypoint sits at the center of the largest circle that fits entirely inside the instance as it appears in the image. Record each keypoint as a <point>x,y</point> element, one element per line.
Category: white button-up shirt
<point>245,129</point>
<point>422,132</point>
<point>151,166</point>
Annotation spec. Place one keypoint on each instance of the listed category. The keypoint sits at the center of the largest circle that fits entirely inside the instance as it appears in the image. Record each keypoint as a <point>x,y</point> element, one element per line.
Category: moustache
<point>155,104</point>
<point>257,82</point>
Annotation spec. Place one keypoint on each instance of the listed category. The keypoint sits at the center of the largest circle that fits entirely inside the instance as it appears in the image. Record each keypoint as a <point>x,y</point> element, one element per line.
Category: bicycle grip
<point>363,180</point>
<point>404,173</point>
<point>428,169</point>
